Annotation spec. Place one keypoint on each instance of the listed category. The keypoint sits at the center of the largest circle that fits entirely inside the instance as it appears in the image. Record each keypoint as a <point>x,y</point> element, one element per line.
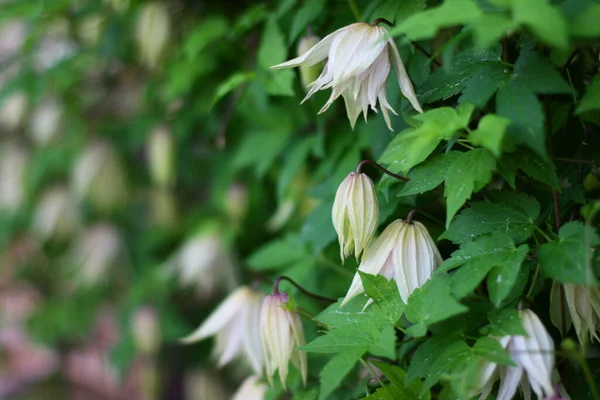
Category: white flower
<point>404,252</point>
<point>583,304</point>
<point>534,358</point>
<point>281,333</point>
<point>12,110</point>
<point>145,329</point>
<point>45,121</point>
<point>355,214</point>
<point>56,215</point>
<point>251,389</point>
<point>236,325</point>
<point>359,57</point>
<point>152,32</point>
<point>96,252</point>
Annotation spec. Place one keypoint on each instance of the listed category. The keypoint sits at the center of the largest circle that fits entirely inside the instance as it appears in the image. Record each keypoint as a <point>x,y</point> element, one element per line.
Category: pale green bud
<point>308,73</point>
<point>90,29</point>
<point>355,214</point>
<point>152,33</point>
<point>163,206</point>
<point>161,156</point>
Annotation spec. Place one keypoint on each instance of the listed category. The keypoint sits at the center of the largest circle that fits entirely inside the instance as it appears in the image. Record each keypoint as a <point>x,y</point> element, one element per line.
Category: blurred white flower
<point>236,325</point>
<point>205,385</point>
<point>56,215</point>
<point>46,121</point>
<point>55,46</point>
<point>404,252</point>
<point>583,305</point>
<point>359,57</point>
<point>89,29</point>
<point>99,177</point>
<point>152,32</point>
<point>534,358</point>
<point>145,329</point>
<point>236,202</point>
<point>12,111</point>
<point>281,334</point>
<point>251,389</point>
<point>12,37</point>
<point>308,73</point>
<point>96,253</point>
<point>355,214</point>
<point>13,165</point>
<point>161,156</point>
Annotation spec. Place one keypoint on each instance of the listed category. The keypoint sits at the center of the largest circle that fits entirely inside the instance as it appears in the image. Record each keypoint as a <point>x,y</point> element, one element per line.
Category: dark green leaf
<point>534,166</point>
<point>428,175</point>
<point>504,322</point>
<point>386,346</point>
<point>586,23</point>
<point>538,74</point>
<point>483,83</point>
<point>591,99</point>
<point>385,294</point>
<point>544,19</point>
<point>492,350</point>
<point>336,369</point>
<point>397,376</point>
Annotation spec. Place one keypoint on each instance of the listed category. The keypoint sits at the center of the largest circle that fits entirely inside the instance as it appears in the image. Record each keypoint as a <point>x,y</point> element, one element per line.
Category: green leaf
<point>511,213</point>
<point>538,74</point>
<point>433,302</point>
<point>545,20</point>
<point>504,322</point>
<point>569,259</point>
<point>483,83</point>
<point>278,254</point>
<point>306,394</point>
<point>492,350</point>
<point>490,133</point>
<point>386,346</point>
<point>425,24</point>
<point>350,337</point>
<point>272,51</point>
<point>336,369</point>
<point>534,166</point>
<point>231,83</point>
<point>304,16</point>
<point>491,27</point>
<point>438,356</point>
<point>385,294</point>
<point>386,393</point>
<point>591,98</point>
<point>520,105</point>
<point>295,159</point>
<point>412,146</point>
<point>478,257</point>
<point>203,34</point>
<point>429,175</point>
<point>586,23</point>
<point>351,313</point>
<point>397,376</point>
<point>467,174</point>
<point>449,81</point>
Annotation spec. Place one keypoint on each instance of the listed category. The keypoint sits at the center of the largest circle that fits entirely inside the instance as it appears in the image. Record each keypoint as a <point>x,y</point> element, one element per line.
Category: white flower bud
<point>96,252</point>
<point>56,216</point>
<point>404,252</point>
<point>46,121</point>
<point>13,165</point>
<point>12,111</point>
<point>236,325</point>
<point>152,33</point>
<point>99,177</point>
<point>161,156</point>
<point>308,74</point>
<point>582,311</point>
<point>360,57</point>
<point>146,330</point>
<point>355,214</point>
<point>251,389</point>
<point>281,334</point>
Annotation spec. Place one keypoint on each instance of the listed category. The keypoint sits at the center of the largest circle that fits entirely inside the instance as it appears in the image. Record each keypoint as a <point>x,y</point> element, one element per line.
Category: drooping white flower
<point>404,252</point>
<point>281,333</point>
<point>355,214</point>
<point>583,306</point>
<point>251,389</point>
<point>153,32</point>
<point>534,358</point>
<point>358,64</point>
<point>236,326</point>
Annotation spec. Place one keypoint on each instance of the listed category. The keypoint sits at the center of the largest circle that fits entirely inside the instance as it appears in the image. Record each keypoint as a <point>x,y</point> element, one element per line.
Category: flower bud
<point>404,252</point>
<point>583,310</point>
<point>281,334</point>
<point>355,214</point>
<point>56,216</point>
<point>96,253</point>
<point>13,165</point>
<point>12,111</point>
<point>251,389</point>
<point>161,156</point>
<point>152,33</point>
<point>46,121</point>
<point>308,73</point>
<point>99,177</point>
<point>146,330</point>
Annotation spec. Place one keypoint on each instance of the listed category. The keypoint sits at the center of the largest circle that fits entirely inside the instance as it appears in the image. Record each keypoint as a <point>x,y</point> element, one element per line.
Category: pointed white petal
<point>509,382</point>
<point>406,86</point>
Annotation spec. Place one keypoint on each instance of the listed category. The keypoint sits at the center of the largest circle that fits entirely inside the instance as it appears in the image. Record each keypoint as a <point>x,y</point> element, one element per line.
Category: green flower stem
<point>306,292</point>
<point>535,277</point>
<point>588,374</point>
<point>541,232</point>
<point>371,371</point>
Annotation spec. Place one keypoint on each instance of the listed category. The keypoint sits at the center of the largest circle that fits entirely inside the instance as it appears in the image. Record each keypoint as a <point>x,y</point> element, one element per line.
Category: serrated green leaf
<point>483,83</point>
<point>433,302</point>
<point>350,337</point>
<point>306,394</point>
<point>591,98</point>
<point>469,173</point>
<point>428,175</point>
<point>478,257</point>
<point>386,346</point>
<point>397,376</point>
<point>491,27</point>
<point>511,213</point>
<point>336,369</point>
<point>544,19</point>
<point>492,350</point>
<point>504,322</point>
<point>569,258</point>
<point>351,313</point>
<point>585,24</point>
<point>534,166</point>
<point>538,74</point>
<point>385,294</point>
<point>490,133</point>
<point>386,393</point>
<point>425,25</point>
<point>520,105</point>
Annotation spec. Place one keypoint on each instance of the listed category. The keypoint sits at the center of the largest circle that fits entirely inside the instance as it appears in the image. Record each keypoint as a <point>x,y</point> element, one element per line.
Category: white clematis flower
<point>404,252</point>
<point>534,358</point>
<point>583,304</point>
<point>251,389</point>
<point>236,325</point>
<point>355,214</point>
<point>281,333</point>
<point>358,64</point>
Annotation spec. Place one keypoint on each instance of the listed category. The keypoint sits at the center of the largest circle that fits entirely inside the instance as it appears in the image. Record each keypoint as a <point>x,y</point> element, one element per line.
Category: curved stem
<point>385,171</point>
<point>306,292</point>
<point>422,50</point>
<point>371,371</point>
<point>410,215</point>
<point>382,20</point>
